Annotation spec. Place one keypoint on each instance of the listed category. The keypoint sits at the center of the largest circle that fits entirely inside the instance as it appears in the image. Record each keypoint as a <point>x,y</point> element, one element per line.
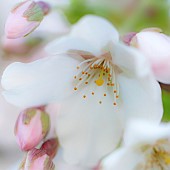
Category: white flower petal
<point>141,98</point>
<point>95,30</point>
<point>145,132</point>
<point>139,91</point>
<point>88,130</point>
<point>39,82</point>
<point>129,60</point>
<point>122,159</point>
<point>68,44</point>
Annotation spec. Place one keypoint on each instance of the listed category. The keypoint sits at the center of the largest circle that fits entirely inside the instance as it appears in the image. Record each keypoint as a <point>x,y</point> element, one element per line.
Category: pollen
<point>75,88</point>
<point>92,93</point>
<point>167,159</point>
<point>99,82</point>
<point>114,104</point>
<point>105,94</point>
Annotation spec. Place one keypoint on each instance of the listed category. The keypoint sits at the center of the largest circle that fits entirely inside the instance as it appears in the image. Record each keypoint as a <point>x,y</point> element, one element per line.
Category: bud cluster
<point>31,129</point>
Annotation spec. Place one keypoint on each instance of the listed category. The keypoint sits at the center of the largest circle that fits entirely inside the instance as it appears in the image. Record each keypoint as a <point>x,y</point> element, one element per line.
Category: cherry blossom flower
<point>146,146</point>
<point>99,82</point>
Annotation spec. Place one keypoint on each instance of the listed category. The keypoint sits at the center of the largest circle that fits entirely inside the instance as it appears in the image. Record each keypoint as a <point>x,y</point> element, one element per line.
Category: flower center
<point>97,72</point>
<point>157,157</point>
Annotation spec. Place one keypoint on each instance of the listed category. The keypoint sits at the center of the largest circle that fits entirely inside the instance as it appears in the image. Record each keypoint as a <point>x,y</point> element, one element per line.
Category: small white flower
<point>99,82</point>
<point>146,147</point>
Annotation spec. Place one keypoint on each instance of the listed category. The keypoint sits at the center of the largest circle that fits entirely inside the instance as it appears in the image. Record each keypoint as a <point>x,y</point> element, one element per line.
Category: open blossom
<point>155,46</point>
<point>98,81</point>
<point>37,159</point>
<point>146,147</point>
<point>31,127</point>
<point>24,18</point>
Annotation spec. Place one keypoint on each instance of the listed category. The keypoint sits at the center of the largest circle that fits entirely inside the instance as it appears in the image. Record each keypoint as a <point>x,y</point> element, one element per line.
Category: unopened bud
<point>24,18</point>
<point>155,45</point>
<point>50,147</point>
<point>31,127</point>
<point>37,159</point>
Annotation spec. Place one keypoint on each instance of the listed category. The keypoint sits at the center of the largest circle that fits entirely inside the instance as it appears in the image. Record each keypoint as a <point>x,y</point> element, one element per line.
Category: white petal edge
<point>39,82</point>
<point>141,98</point>
<point>96,30</point>
<point>91,34</point>
<point>122,159</point>
<point>68,44</point>
<point>130,60</point>
<point>145,132</point>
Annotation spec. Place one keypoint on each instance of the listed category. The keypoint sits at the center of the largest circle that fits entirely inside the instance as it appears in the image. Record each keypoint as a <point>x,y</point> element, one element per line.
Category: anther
<point>84,96</point>
<point>105,94</point>
<point>75,88</point>
<point>100,102</point>
<point>86,82</point>
<point>114,104</point>
<point>92,93</point>
<point>78,67</point>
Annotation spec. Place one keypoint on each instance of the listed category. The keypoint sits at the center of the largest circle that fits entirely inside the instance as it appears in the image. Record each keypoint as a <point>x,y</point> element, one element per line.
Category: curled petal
<point>39,82</point>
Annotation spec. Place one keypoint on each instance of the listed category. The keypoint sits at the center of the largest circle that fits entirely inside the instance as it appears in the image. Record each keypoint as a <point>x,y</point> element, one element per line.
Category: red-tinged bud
<point>50,147</point>
<point>37,159</point>
<point>31,127</point>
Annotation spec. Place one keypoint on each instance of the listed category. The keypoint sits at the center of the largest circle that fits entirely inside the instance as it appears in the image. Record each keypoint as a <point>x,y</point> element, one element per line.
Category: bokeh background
<point>126,15</point>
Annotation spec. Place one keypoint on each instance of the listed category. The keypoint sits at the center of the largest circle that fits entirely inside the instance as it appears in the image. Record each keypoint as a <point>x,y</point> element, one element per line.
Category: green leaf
<point>166,106</point>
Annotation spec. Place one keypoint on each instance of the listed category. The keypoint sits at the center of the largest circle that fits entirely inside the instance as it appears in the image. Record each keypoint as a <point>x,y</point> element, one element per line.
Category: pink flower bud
<point>24,18</point>
<point>50,147</point>
<point>31,127</point>
<point>37,159</point>
<point>156,47</point>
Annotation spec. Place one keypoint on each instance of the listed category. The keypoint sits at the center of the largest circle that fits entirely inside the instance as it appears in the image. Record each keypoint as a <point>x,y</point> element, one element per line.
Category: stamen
<point>99,71</point>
